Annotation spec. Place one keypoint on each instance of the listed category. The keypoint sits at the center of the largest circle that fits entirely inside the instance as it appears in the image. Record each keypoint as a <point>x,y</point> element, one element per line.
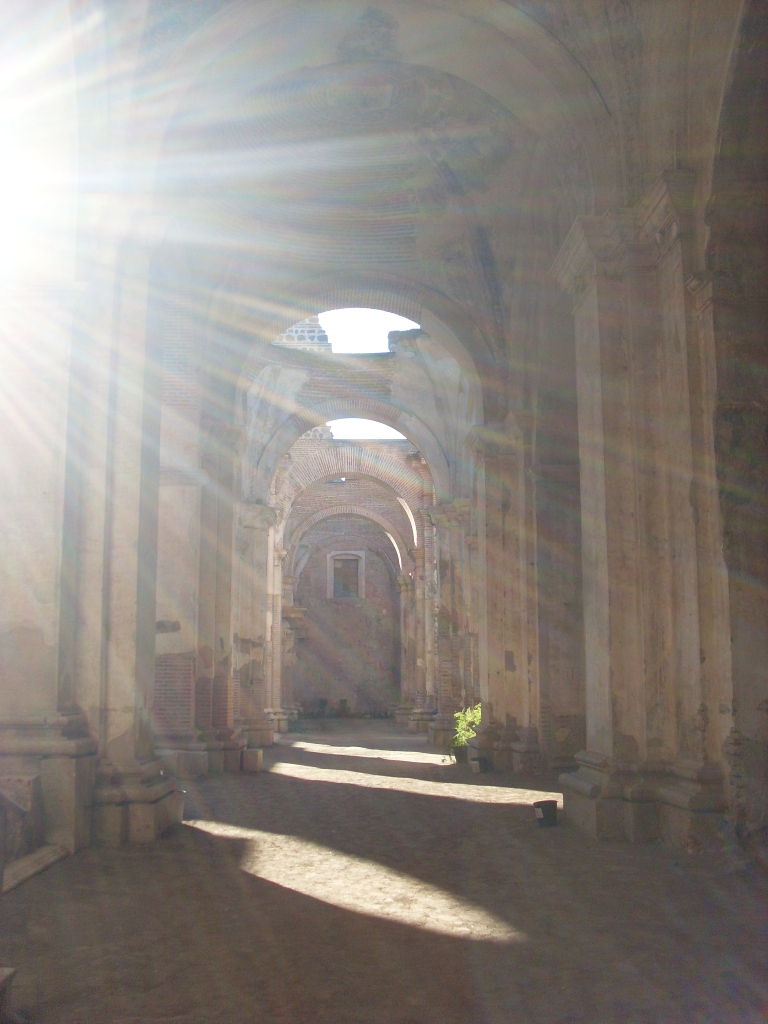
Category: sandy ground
<point>361,878</point>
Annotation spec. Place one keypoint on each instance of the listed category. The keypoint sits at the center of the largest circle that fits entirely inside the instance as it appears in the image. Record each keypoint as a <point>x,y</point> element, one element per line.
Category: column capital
<point>230,436</point>
<point>495,439</point>
<point>255,516</point>
<point>280,556</point>
<point>452,514</point>
<point>638,237</point>
<point>592,242</point>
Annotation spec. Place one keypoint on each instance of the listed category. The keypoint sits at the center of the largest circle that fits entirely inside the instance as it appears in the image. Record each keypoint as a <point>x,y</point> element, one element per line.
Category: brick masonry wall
<point>173,705</point>
<point>352,647</point>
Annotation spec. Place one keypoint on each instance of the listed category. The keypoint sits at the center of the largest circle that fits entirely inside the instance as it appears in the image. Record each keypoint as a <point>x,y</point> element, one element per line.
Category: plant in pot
<point>466,721</point>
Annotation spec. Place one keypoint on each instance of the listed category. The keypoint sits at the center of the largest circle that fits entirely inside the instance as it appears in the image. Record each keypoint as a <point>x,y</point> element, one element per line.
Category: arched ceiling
<point>399,139</point>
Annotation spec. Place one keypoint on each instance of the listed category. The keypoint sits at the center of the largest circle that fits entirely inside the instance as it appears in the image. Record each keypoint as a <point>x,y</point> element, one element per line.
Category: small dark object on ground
<point>546,812</point>
<point>481,764</point>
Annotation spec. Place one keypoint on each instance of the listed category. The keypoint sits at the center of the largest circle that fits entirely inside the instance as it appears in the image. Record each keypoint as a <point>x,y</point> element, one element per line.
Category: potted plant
<point>466,721</point>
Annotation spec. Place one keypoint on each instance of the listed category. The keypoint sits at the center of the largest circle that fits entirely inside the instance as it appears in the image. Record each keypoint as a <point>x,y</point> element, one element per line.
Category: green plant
<point>466,721</point>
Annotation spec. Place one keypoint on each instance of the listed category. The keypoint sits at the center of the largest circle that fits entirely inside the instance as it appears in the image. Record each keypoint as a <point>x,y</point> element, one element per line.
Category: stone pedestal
<point>252,759</point>
<point>525,753</point>
<point>63,755</point>
<point>280,719</point>
<point>134,803</point>
<point>182,754</point>
<point>259,730</point>
<point>402,715</point>
<point>483,743</point>
<point>419,720</point>
<point>692,803</point>
<point>7,974</point>
<point>441,730</point>
<point>681,806</point>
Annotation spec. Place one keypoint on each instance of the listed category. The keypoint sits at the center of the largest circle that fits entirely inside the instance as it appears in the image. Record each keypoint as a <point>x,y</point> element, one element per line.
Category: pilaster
<point>645,461</point>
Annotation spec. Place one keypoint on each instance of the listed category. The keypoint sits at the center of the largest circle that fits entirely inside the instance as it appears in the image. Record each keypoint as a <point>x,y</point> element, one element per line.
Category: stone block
<point>67,786</point>
<point>142,823</point>
<point>215,761</point>
<point>233,758</point>
<point>598,817</point>
<point>148,821</point>
<point>170,810</point>
<point>24,827</point>
<point>641,821</point>
<point>253,758</point>
<point>184,764</point>
<point>260,736</point>
<point>110,824</point>
<point>527,762</point>
<point>692,831</point>
<point>7,975</point>
<point>439,735</point>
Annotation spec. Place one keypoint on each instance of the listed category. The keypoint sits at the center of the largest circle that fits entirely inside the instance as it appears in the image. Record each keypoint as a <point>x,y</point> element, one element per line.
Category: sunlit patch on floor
<point>408,756</point>
<point>420,787</point>
<point>360,885</point>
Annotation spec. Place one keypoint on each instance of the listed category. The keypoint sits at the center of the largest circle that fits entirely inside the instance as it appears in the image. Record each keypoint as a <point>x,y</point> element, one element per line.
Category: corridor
<point>364,878</point>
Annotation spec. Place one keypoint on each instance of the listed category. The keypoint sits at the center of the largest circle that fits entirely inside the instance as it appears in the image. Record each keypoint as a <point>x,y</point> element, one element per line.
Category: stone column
<point>290,636</point>
<point>646,771</point>
<point>448,520</point>
<point>406,587</point>
<point>215,685</point>
<point>255,522</point>
<point>509,729</point>
<point>132,800</point>
<point>589,269</point>
<point>472,591</point>
<point>700,626</point>
<point>177,741</point>
<point>276,708</point>
<point>420,716</point>
<point>53,383</point>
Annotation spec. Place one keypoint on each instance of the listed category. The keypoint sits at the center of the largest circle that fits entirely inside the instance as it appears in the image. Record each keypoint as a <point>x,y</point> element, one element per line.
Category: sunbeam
<point>360,885</point>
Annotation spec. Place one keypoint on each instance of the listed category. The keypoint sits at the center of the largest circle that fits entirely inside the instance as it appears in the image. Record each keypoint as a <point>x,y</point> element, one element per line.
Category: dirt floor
<point>362,878</point>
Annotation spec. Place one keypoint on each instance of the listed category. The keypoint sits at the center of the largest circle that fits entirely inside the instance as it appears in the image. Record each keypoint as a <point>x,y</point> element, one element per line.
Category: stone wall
<point>352,646</point>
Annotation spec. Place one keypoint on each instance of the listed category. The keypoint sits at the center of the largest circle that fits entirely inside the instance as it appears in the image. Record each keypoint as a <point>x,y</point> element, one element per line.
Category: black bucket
<point>546,813</point>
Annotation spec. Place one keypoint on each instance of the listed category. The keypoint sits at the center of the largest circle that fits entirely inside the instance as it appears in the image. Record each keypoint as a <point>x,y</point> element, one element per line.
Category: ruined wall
<point>738,260</point>
<point>351,650</point>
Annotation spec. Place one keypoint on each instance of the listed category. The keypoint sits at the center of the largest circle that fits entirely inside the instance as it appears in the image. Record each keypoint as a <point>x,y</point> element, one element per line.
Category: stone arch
<point>366,408</point>
<point>354,540</point>
<point>350,510</point>
<point>347,458</point>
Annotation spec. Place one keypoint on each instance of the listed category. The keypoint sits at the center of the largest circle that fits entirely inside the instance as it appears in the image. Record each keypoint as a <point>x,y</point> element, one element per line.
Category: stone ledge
<point>20,870</point>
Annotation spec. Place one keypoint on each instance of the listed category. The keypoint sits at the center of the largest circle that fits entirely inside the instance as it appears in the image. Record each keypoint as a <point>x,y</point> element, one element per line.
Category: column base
<point>402,714</point>
<point>680,805</point>
<point>61,752</point>
<point>253,759</point>
<point>7,974</point>
<point>441,730</point>
<point>279,719</point>
<point>419,720</point>
<point>233,744</point>
<point>182,754</point>
<point>525,753</point>
<point>134,804</point>
<point>691,807</point>
<point>259,731</point>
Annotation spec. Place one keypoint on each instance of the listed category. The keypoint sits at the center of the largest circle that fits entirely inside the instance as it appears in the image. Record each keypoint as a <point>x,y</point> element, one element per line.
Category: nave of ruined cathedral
<point>253,568</point>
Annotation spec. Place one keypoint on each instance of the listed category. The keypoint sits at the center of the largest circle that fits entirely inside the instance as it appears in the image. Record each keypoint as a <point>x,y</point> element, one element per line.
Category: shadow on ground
<point>313,892</point>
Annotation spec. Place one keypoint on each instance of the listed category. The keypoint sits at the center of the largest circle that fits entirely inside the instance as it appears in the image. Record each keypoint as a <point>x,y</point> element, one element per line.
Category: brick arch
<point>348,510</point>
<point>365,408</point>
<point>328,462</point>
<point>354,541</point>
